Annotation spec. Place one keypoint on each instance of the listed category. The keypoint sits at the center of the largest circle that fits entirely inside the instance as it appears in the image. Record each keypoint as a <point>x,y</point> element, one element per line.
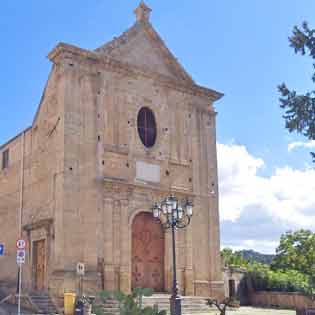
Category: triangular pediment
<point>142,46</point>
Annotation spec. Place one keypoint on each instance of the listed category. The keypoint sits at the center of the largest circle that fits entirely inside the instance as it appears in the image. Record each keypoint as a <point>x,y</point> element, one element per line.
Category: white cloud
<point>256,210</point>
<point>299,144</point>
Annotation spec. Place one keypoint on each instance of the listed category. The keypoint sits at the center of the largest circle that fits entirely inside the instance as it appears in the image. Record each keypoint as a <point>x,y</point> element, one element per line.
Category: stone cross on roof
<point>142,12</point>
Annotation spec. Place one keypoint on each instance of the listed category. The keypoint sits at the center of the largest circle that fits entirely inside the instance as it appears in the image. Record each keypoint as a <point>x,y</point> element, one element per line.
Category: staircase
<point>190,305</point>
<point>111,307</point>
<point>43,303</point>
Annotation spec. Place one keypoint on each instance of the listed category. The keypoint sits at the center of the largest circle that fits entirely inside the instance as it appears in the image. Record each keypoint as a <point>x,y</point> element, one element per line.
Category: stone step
<point>184,311</point>
<point>184,301</point>
<point>112,305</point>
<point>187,309</point>
<point>43,304</point>
<point>190,305</point>
<point>110,309</point>
<point>199,307</point>
<point>168,303</point>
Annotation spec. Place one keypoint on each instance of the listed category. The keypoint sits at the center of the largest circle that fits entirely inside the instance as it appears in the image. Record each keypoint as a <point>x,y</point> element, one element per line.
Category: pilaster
<point>125,258</point>
<point>189,273</point>
<point>109,272</point>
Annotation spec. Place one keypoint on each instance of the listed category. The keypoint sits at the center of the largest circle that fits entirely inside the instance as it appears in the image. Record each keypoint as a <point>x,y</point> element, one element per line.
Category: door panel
<point>39,264</point>
<point>147,253</point>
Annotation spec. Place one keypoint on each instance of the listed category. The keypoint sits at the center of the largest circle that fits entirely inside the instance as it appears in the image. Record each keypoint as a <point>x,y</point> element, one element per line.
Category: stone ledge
<point>65,51</point>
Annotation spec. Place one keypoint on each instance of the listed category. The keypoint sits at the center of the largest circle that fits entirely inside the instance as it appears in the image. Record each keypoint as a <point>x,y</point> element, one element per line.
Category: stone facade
<point>80,174</point>
<point>236,284</point>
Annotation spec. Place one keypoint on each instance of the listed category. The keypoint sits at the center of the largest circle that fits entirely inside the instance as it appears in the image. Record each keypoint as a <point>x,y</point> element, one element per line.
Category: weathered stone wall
<point>42,149</point>
<point>9,205</point>
<point>102,143</point>
<point>87,172</point>
<point>281,299</point>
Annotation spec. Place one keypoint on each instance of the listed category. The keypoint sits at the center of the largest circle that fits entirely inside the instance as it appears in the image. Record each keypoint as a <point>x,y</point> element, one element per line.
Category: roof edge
<point>43,96</point>
<point>117,66</point>
<point>2,146</point>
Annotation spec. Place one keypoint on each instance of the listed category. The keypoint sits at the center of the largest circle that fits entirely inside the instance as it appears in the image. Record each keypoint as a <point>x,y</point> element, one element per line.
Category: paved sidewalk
<point>259,311</point>
<point>8,309</point>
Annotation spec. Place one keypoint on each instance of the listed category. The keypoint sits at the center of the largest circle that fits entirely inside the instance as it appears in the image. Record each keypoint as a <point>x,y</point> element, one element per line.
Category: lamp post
<point>174,214</point>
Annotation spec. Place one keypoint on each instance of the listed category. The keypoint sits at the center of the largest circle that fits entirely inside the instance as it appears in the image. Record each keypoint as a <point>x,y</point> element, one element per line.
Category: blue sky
<point>237,47</point>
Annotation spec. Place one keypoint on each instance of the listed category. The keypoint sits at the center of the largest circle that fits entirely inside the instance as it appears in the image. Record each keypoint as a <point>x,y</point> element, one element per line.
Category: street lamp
<point>174,214</point>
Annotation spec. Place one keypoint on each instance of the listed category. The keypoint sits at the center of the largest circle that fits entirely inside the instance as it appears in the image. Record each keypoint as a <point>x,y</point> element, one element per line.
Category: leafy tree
<point>233,259</point>
<point>300,108</point>
<point>252,255</point>
<point>283,275</point>
<point>296,251</point>
<point>265,279</point>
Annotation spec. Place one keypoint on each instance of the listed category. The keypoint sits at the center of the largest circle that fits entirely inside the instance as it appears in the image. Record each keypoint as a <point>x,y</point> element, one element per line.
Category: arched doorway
<point>147,253</point>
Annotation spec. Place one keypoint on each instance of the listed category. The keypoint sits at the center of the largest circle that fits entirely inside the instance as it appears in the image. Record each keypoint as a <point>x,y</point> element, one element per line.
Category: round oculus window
<point>146,127</point>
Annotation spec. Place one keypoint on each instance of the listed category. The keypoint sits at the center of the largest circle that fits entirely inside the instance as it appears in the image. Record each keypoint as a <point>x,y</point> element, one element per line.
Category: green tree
<point>296,251</point>
<point>265,279</point>
<point>233,259</point>
<point>300,108</point>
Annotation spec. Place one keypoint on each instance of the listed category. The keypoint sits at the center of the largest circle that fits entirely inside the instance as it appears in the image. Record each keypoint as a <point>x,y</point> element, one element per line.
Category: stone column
<point>125,257</point>
<point>116,242</point>
<point>109,272</point>
<point>179,234</point>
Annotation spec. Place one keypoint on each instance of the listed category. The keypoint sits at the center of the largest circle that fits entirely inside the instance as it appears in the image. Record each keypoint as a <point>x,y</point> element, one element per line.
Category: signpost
<point>20,256</point>
<point>80,273</point>
<point>20,259</point>
<point>20,244</point>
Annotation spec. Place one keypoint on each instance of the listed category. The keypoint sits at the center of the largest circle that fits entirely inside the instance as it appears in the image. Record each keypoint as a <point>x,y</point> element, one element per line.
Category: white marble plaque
<point>147,172</point>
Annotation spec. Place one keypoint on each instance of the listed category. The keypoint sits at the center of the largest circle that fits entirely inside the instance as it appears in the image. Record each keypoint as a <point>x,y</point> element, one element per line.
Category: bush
<point>130,304</point>
<point>265,279</point>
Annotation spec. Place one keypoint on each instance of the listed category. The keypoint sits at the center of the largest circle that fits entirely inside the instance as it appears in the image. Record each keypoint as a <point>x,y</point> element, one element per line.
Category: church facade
<point>117,129</point>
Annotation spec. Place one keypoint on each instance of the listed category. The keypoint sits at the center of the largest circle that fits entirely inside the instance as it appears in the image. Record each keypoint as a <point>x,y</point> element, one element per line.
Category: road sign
<point>20,244</point>
<point>1,250</point>
<point>20,256</point>
<point>80,269</point>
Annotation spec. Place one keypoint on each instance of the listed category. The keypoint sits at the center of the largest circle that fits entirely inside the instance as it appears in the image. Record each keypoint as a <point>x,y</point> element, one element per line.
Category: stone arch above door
<point>147,252</point>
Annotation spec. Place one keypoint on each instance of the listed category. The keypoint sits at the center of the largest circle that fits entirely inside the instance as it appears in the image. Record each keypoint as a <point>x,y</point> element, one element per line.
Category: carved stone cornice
<point>64,52</point>
<point>44,223</point>
<point>117,190</point>
<point>125,189</point>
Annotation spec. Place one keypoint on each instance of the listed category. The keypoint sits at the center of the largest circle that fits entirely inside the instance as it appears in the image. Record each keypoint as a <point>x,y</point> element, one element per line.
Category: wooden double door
<point>39,264</point>
<point>147,253</point>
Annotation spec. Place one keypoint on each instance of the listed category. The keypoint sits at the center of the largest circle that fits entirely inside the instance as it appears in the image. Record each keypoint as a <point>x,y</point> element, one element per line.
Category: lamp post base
<point>175,303</point>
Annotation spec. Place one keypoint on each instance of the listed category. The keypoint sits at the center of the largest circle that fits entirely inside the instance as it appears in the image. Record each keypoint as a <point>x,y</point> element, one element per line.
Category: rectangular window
<point>5,159</point>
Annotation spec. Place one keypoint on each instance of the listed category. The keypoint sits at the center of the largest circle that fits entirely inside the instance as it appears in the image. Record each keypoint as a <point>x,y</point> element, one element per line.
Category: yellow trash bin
<point>69,303</point>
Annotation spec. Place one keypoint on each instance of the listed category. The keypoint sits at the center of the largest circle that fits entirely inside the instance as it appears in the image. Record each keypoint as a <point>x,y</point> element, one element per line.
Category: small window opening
<point>147,127</point>
<point>5,159</point>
